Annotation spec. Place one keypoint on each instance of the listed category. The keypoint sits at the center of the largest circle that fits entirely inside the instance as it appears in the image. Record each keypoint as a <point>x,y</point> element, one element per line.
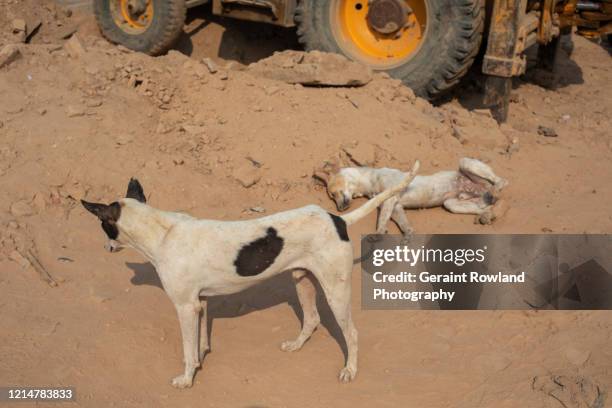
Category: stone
<point>210,64</point>
<point>314,68</point>
<point>74,47</point>
<point>21,209</point>
<point>93,103</point>
<point>247,175</point>
<point>577,357</point>
<point>9,54</point>
<point>74,111</point>
<point>123,139</point>
<point>18,25</point>
<point>547,131</point>
<point>271,90</point>
<point>16,257</point>
<point>39,202</point>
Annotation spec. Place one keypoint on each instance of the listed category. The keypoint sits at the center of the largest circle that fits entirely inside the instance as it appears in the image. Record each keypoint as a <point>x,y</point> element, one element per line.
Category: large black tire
<point>165,27</point>
<point>452,40</point>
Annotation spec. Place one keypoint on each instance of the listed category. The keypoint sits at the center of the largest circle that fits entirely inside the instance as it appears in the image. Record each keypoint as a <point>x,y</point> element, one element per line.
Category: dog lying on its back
<point>471,189</point>
<point>196,258</point>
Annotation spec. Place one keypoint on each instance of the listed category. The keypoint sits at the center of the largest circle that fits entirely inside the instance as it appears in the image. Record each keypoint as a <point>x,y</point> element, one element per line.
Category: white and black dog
<point>195,257</point>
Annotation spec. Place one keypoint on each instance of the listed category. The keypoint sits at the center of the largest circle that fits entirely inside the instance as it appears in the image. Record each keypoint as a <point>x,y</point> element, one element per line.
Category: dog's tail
<point>372,204</point>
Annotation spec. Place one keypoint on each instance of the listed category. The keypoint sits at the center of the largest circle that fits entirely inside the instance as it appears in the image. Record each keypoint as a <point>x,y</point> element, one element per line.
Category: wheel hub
<point>136,8</point>
<point>387,16</point>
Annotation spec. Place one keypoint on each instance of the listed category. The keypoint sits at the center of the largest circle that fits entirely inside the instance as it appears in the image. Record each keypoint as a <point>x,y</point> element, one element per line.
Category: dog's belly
<point>430,191</point>
<point>220,258</point>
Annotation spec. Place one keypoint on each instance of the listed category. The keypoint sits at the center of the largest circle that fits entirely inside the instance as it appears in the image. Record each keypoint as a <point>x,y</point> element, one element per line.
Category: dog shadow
<point>275,291</point>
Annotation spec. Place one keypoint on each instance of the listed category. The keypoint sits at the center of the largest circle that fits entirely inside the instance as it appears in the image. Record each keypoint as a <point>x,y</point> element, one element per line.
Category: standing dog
<point>196,258</point>
<point>469,190</point>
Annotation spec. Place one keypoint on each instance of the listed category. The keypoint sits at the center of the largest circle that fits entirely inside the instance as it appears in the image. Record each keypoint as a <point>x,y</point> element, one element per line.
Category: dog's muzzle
<point>112,246</point>
<point>343,205</point>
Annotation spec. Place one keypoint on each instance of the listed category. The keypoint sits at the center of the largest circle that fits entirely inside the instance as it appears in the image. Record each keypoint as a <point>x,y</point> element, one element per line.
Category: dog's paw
<point>203,353</point>
<point>290,345</point>
<point>347,375</point>
<point>500,184</point>
<point>182,381</point>
<point>485,218</point>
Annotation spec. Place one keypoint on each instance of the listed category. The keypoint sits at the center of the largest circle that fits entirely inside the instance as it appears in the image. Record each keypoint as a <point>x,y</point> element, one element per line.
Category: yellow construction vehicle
<point>428,44</point>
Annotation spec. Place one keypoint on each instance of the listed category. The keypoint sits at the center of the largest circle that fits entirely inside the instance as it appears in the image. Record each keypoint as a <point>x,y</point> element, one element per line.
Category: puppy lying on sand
<point>471,189</point>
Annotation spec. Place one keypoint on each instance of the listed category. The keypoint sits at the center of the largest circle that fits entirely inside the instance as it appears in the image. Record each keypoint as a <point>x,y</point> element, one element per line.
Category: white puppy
<point>469,190</point>
<point>206,257</point>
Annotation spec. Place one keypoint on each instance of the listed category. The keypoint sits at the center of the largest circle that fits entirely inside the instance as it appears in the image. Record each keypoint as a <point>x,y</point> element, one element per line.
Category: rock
<point>483,112</point>
<point>210,64</point>
<point>16,257</point>
<point>18,25</point>
<point>577,357</point>
<point>21,209</point>
<point>123,139</point>
<point>257,209</point>
<point>93,103</point>
<point>458,134</point>
<point>39,202</point>
<point>74,47</point>
<point>9,54</point>
<point>271,90</point>
<point>547,131</point>
<point>74,111</point>
<point>66,32</point>
<point>247,175</point>
<point>194,129</point>
<point>313,68</point>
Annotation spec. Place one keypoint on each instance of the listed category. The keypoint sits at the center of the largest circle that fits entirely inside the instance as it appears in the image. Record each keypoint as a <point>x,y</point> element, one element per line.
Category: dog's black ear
<point>109,213</point>
<point>135,191</point>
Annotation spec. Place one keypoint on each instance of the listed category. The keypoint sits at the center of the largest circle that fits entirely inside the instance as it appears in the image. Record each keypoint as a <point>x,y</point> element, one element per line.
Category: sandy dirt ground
<point>79,123</point>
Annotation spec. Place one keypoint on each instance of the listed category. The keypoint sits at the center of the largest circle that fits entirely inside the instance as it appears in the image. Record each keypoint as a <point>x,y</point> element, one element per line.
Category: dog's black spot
<point>489,199</point>
<point>340,225</point>
<point>256,256</point>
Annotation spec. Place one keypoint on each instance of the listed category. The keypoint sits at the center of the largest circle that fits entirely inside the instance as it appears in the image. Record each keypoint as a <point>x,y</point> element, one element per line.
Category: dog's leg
<point>458,206</point>
<point>340,304</point>
<point>188,315</point>
<point>335,279</point>
<point>473,167</point>
<point>399,217</point>
<point>385,215</point>
<point>204,346</point>
<point>307,295</point>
